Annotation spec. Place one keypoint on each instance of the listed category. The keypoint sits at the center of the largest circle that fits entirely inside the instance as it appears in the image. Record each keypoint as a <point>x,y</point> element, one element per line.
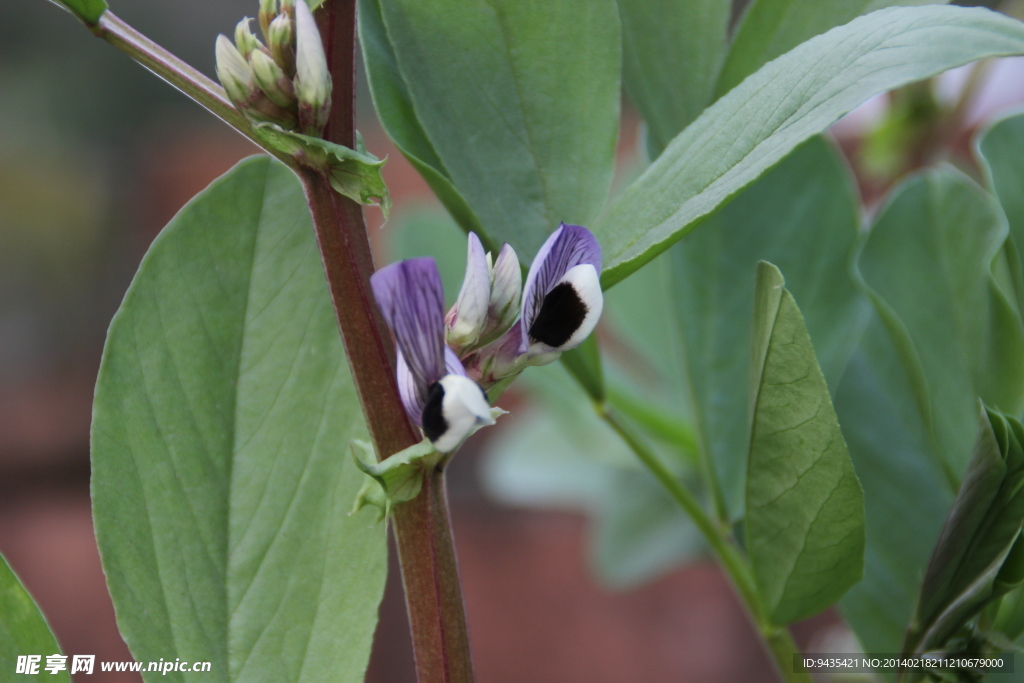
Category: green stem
<point>778,640</point>
<point>780,644</point>
<point>178,73</point>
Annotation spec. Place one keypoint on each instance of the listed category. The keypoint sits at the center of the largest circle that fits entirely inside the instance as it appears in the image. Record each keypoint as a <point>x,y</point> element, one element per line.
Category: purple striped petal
<point>412,400</point>
<point>569,246</point>
<point>411,297</point>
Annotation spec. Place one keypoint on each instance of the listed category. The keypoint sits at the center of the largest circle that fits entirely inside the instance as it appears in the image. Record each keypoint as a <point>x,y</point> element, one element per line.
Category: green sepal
<point>88,11</point>
<point>354,173</point>
<point>394,480</point>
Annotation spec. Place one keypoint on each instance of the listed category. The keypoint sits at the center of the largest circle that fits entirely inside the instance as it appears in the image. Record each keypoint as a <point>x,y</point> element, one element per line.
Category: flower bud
<point>234,73</point>
<point>282,43</point>
<point>312,77</point>
<point>245,41</point>
<point>268,10</point>
<point>272,80</point>
<point>468,317</point>
<point>506,292</point>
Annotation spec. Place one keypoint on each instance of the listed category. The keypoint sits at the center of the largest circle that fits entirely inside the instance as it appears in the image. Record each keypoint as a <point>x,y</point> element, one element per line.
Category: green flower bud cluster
<point>285,81</point>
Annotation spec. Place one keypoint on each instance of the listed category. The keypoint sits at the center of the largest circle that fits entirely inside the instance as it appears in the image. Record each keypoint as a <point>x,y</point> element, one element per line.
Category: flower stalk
<point>178,73</point>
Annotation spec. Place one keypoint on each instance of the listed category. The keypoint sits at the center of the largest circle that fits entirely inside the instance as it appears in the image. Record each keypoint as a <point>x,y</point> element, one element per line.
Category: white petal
<point>465,409</point>
<point>312,78</point>
<point>471,306</point>
<point>587,285</point>
<point>506,287</point>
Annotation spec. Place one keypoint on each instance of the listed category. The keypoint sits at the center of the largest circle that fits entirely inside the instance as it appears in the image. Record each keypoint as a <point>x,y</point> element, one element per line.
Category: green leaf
<point>805,507</point>
<point>771,28</point>
<point>672,51</point>
<point>787,101</point>
<point>1010,618</point>
<point>973,562</point>
<point>802,216</point>
<point>394,107</point>
<point>523,119</point>
<point>999,149</point>
<point>88,11</point>
<point>903,481</point>
<point>23,631</point>
<point>220,480</point>
<point>927,265</point>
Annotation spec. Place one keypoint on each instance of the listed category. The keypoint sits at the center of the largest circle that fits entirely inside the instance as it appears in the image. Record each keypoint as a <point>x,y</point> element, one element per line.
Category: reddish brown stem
<point>422,529</point>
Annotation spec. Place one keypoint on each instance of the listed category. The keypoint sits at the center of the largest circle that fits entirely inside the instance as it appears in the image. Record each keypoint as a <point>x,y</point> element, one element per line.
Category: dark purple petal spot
<point>434,423</point>
<point>561,314</point>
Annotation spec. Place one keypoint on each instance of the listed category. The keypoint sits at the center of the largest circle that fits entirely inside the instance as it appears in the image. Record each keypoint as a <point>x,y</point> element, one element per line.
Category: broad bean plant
<point>835,403</point>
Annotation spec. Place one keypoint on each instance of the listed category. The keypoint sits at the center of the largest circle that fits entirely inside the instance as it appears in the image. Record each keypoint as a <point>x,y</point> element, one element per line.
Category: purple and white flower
<point>445,363</point>
<point>436,393</point>
<point>562,302</point>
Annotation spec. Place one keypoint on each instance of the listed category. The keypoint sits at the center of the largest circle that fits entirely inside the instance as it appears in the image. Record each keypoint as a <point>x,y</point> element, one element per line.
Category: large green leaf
<point>518,99</point>
<point>24,632</point>
<point>672,51</point>
<point>221,478</point>
<point>805,508</point>
<point>394,107</point>
<point>771,28</point>
<point>787,101</point>
<point>927,265</point>
<point>803,217</point>
<point>906,494</point>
